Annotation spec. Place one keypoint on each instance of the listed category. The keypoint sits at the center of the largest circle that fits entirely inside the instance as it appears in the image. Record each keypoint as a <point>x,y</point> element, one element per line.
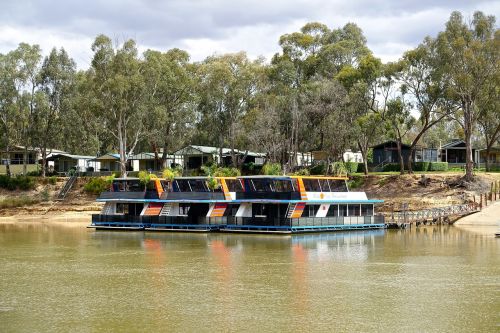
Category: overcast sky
<point>205,27</point>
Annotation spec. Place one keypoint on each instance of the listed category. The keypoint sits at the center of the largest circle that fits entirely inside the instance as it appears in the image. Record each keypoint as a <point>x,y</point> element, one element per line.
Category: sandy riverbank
<point>57,216</point>
<point>489,216</point>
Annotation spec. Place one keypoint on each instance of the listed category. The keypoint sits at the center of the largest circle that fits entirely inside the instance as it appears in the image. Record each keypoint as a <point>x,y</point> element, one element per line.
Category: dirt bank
<point>443,189</point>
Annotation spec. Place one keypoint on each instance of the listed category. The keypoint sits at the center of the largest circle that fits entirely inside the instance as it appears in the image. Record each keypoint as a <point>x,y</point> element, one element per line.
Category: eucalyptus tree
<point>28,62</point>
<point>228,85</point>
<point>8,94</point>
<point>422,78</point>
<point>489,115</point>
<point>369,86</point>
<point>169,82</point>
<point>53,101</point>
<point>399,121</point>
<point>468,54</point>
<point>118,93</point>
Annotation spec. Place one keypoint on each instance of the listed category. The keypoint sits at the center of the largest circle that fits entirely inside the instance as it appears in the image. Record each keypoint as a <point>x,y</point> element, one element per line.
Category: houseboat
<point>276,204</point>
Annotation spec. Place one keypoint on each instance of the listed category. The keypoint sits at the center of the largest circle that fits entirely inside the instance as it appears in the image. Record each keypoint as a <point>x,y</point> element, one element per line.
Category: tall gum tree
<point>468,55</point>
<point>118,88</point>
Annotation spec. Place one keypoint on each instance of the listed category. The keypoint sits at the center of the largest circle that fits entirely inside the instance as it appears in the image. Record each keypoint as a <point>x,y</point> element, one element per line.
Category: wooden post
<point>481,201</point>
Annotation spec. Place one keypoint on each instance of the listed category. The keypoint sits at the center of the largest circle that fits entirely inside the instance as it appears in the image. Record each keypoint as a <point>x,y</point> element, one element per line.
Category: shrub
<point>421,166</point>
<point>17,202</point>
<point>171,173</point>
<point>338,168</point>
<point>438,166</point>
<point>356,182</point>
<point>318,169</point>
<point>212,183</point>
<point>391,167</point>
<point>226,172</point>
<point>302,172</point>
<point>272,169</point>
<point>19,182</point>
<point>97,185</point>
<point>52,180</point>
<point>351,167</point>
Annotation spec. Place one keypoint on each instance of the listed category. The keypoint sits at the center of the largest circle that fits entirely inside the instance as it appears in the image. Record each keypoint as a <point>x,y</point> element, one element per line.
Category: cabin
<point>147,161</point>
<point>455,153</point>
<point>193,156</point>
<point>387,152</point>
<point>350,156</point>
<point>110,162</point>
<point>493,157</point>
<point>15,158</point>
<point>63,163</point>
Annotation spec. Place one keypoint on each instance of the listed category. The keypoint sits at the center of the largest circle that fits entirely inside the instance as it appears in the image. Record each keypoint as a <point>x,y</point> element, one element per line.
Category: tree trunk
<point>468,124</point>
<point>44,161</point>
<point>409,160</point>
<point>364,153</point>
<point>401,161</point>
<point>25,160</point>
<point>7,166</point>
<point>123,149</point>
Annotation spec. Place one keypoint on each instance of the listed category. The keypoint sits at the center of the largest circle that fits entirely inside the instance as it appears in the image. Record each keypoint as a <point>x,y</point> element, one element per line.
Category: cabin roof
<point>392,143</point>
<point>75,157</point>
<point>188,150</point>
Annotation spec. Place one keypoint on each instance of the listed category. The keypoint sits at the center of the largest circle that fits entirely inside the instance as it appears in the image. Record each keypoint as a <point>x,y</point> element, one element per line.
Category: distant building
<point>110,162</point>
<point>493,157</point>
<point>15,158</point>
<point>63,162</point>
<point>194,156</point>
<point>148,162</point>
<point>387,152</point>
<point>455,153</point>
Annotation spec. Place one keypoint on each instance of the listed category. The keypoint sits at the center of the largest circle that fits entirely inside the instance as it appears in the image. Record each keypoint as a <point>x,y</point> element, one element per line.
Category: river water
<point>62,277</point>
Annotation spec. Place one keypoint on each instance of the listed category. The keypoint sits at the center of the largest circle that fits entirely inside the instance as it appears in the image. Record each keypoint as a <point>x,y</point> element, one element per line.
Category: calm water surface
<point>66,278</point>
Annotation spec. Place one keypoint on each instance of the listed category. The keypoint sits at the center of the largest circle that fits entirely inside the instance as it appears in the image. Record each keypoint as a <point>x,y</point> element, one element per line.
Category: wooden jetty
<point>441,215</point>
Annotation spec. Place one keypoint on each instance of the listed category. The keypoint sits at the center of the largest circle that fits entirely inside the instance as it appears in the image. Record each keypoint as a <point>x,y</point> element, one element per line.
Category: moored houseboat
<point>277,204</point>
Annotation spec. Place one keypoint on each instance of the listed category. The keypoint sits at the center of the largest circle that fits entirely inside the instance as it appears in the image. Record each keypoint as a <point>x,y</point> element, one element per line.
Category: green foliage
<point>17,183</point>
<point>171,173</point>
<point>18,202</point>
<point>272,169</point>
<point>98,185</point>
<point>302,172</point>
<point>212,183</point>
<point>226,172</point>
<point>144,177</point>
<point>438,166</point>
<point>351,167</point>
<point>52,180</point>
<point>421,166</point>
<point>338,169</point>
<point>391,167</point>
<point>356,182</point>
<point>318,169</point>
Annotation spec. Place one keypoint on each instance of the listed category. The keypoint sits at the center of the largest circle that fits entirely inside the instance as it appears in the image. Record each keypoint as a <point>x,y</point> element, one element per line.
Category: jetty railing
<point>407,216</point>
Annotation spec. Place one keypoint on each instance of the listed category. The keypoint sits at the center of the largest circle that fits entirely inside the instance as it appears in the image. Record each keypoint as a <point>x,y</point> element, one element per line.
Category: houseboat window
<point>121,208</point>
<point>324,185</point>
<point>198,185</point>
<point>261,185</point>
<point>312,185</point>
<point>234,185</point>
<point>354,210</point>
<point>342,210</point>
<point>259,210</point>
<point>337,185</point>
<point>165,184</point>
<point>333,210</point>
<point>312,209</point>
<point>184,209</point>
<point>183,185</point>
<point>366,210</point>
<point>283,186</point>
